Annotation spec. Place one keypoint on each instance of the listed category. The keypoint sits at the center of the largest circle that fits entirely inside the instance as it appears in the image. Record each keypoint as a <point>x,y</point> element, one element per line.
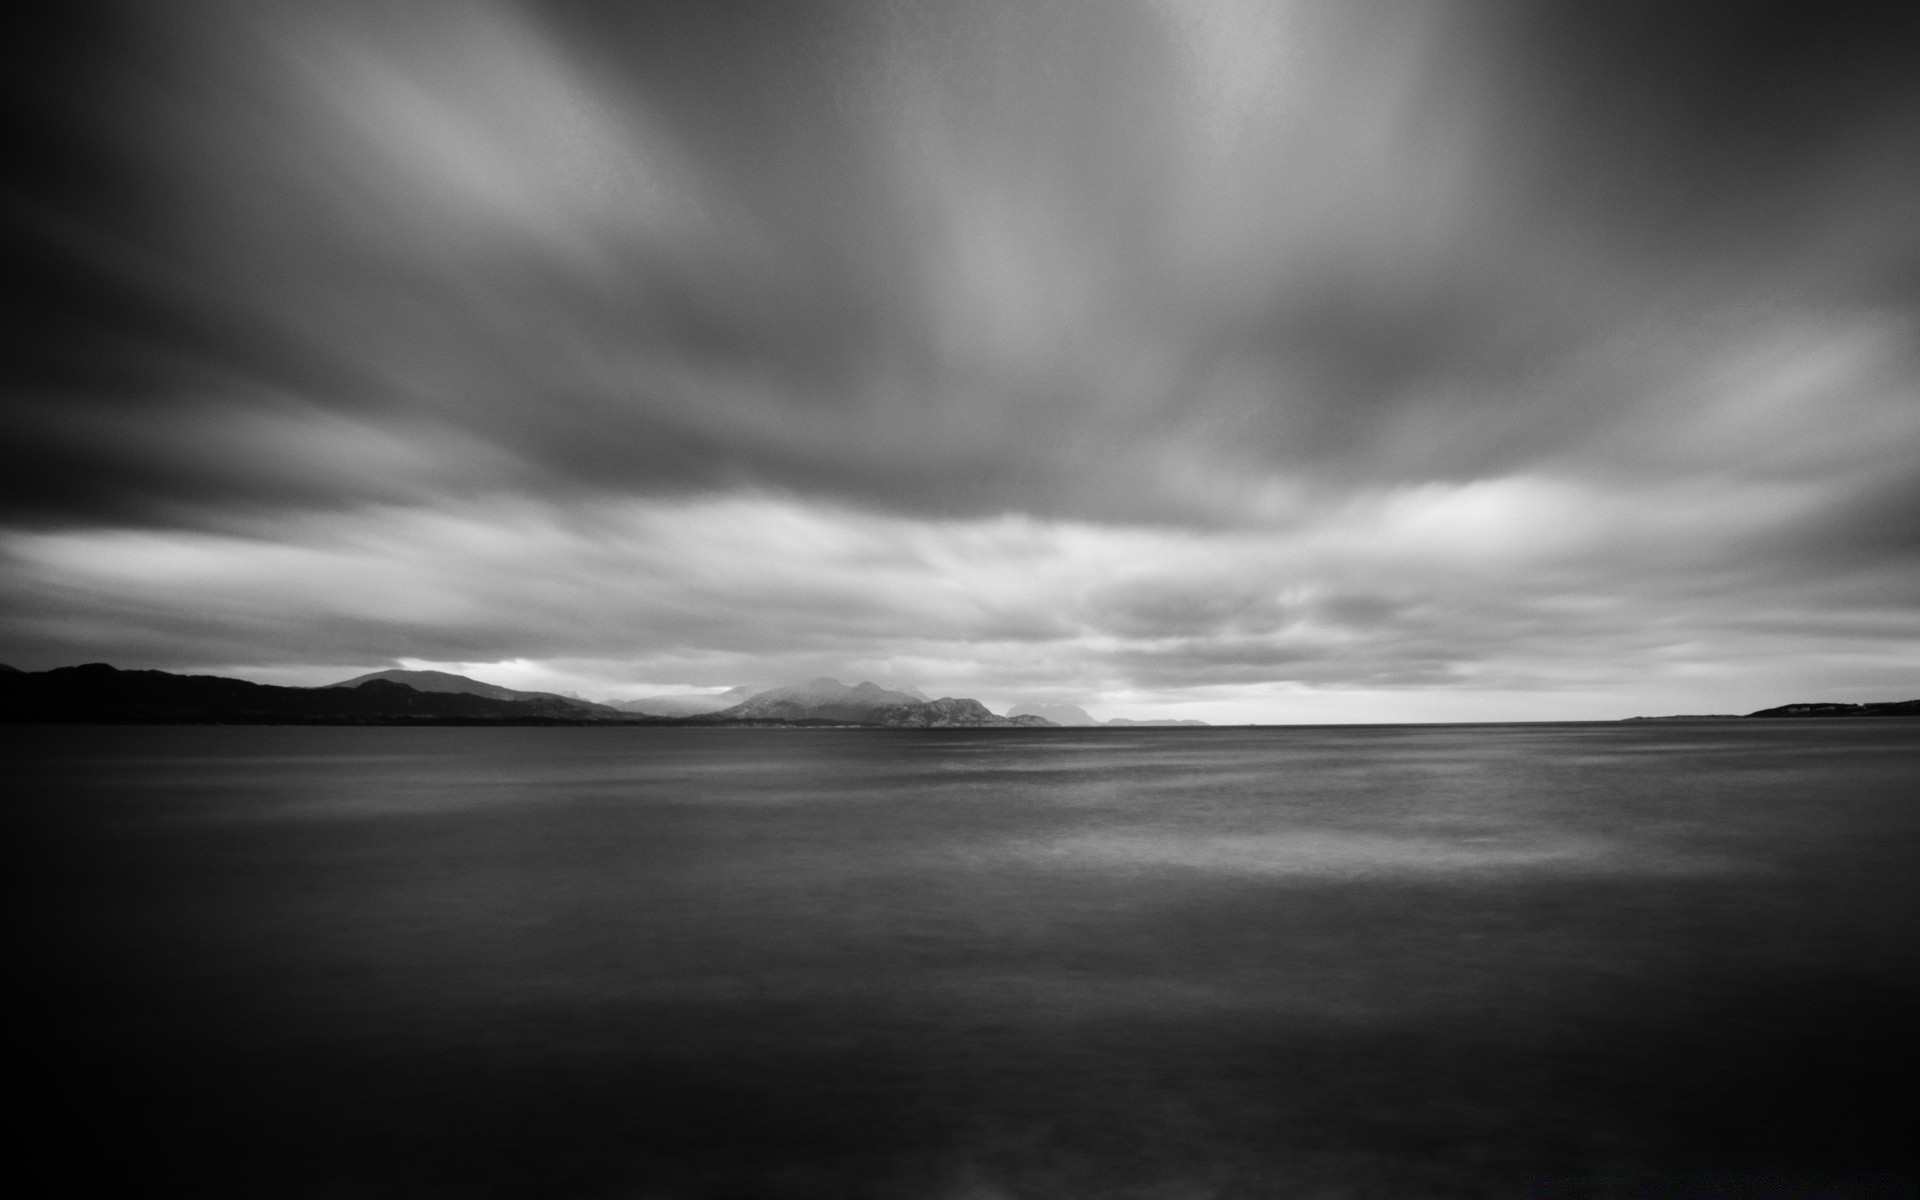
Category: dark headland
<point>1886,708</point>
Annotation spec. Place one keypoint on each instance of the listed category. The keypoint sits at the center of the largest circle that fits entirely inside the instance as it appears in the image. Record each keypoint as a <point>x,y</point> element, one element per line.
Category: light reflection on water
<point>1319,853</point>
<point>1417,961</point>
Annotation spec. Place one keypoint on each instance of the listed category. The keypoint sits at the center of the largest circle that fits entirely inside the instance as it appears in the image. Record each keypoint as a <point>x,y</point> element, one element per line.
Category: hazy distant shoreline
<point>1885,708</point>
<point>100,694</point>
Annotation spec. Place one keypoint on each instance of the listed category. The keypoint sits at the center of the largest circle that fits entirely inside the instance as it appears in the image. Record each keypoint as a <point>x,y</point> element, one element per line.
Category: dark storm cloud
<point>1180,343</point>
<point>938,257</point>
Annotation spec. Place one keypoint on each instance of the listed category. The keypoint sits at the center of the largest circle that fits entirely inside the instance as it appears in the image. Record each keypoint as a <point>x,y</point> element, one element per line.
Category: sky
<point>1290,361</point>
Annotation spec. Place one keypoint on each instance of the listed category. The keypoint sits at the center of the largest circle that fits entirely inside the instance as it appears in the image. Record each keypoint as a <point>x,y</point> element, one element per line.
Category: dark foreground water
<point>1586,960</point>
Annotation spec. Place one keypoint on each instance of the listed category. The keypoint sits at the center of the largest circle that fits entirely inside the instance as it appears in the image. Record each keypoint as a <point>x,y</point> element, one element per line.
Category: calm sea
<point>1529,960</point>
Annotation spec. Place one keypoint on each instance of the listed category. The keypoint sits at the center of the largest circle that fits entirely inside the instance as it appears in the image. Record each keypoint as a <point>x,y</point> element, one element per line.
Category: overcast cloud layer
<point>1250,361</point>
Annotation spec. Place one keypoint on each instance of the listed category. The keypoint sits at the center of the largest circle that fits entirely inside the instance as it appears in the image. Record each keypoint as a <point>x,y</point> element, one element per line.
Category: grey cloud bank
<point>1229,360</point>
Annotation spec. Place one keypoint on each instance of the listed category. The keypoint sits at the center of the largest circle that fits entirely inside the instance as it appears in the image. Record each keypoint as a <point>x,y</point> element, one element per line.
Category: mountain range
<point>820,699</point>
<point>99,693</point>
<point>682,706</point>
<point>448,683</point>
<point>865,703</point>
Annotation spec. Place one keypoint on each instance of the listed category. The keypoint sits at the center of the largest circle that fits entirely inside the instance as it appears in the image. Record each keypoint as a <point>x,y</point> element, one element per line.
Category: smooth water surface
<point>1292,962</point>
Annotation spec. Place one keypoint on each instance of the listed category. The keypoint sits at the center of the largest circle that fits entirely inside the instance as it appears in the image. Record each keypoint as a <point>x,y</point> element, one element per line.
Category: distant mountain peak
<point>684,704</point>
<point>420,680</point>
<point>950,712</point>
<point>866,703</point>
<point>1073,714</point>
<point>827,690</point>
<point>1059,714</point>
<point>448,682</point>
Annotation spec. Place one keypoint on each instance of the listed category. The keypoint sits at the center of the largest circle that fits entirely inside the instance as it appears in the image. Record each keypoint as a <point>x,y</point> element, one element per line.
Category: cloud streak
<point>1063,348</point>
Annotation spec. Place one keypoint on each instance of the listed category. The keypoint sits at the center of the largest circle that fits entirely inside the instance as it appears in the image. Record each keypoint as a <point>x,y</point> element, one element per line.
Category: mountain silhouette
<point>867,703</point>
<point>447,682</point>
<point>99,693</point>
<point>683,706</point>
